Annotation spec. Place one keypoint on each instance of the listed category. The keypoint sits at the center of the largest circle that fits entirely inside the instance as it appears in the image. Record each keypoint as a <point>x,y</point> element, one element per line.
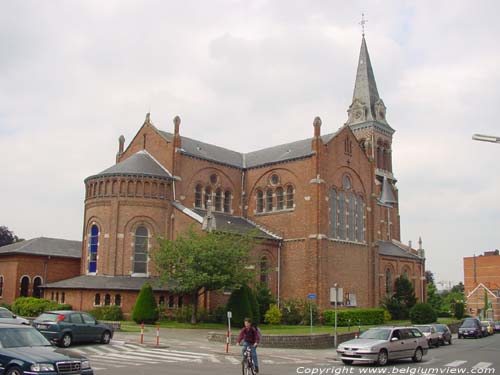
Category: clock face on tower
<point>357,114</point>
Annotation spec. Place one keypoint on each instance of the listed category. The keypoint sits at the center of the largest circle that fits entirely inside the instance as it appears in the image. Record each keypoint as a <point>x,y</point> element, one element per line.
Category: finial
<point>148,118</point>
<point>177,120</point>
<point>317,122</point>
<point>363,23</point>
<point>420,243</point>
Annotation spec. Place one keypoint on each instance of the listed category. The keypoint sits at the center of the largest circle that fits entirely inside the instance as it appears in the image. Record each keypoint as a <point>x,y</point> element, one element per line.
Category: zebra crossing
<point>479,365</point>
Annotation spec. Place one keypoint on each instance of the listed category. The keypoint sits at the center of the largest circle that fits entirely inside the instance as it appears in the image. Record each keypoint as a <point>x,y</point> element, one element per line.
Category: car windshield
<point>468,324</point>
<point>440,328</point>
<point>424,328</point>
<point>48,317</point>
<point>376,334</point>
<point>21,337</point>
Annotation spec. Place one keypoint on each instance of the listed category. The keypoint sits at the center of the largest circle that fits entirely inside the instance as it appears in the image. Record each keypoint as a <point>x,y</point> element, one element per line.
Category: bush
<point>273,315</point>
<point>218,315</point>
<point>444,314</point>
<point>254,305</point>
<point>367,317</point>
<point>264,299</point>
<point>387,316</point>
<point>397,309</point>
<point>239,305</point>
<point>422,313</point>
<point>291,311</point>
<point>459,310</point>
<point>145,309</point>
<point>32,307</point>
<point>113,313</point>
<point>184,314</point>
<point>306,313</point>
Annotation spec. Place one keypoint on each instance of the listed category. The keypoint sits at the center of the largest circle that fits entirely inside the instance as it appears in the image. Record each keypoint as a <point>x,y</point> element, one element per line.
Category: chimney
<point>121,144</point>
<point>177,137</point>
<point>317,127</point>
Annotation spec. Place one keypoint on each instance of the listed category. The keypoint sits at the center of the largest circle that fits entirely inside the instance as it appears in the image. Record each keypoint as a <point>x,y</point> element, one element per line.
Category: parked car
<point>67,327</point>
<point>7,316</point>
<point>444,333</point>
<point>382,344</point>
<point>490,330</point>
<point>471,327</point>
<point>497,326</point>
<point>23,350</point>
<point>430,334</point>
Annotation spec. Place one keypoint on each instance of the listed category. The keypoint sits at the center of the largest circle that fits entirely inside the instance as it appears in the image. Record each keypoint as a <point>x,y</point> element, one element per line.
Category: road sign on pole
<point>311,296</point>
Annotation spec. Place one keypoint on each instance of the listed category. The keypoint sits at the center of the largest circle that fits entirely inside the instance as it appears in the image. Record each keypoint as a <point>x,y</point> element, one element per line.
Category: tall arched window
<point>25,285</point>
<point>352,216</point>
<point>107,300</point>
<point>97,299</point>
<point>93,246</point>
<point>388,281</point>
<point>280,198</point>
<point>218,200</point>
<point>406,273</point>
<point>289,196</point>
<point>118,300</point>
<point>359,219</point>
<point>63,297</point>
<point>208,195</point>
<point>197,196</point>
<point>1,286</point>
<point>341,233</point>
<point>333,213</point>
<point>227,201</point>
<point>264,270</point>
<point>269,200</point>
<point>141,250</point>
<point>37,292</point>
<point>260,201</point>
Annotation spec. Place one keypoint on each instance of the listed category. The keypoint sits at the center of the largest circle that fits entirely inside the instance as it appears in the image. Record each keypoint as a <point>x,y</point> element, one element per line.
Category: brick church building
<point>326,207</point>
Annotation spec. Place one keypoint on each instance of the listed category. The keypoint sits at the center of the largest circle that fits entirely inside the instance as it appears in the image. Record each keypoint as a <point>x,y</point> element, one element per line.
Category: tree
<point>433,298</point>
<point>201,262</point>
<point>240,306</point>
<point>7,237</point>
<point>145,309</point>
<point>459,288</point>
<point>422,313</point>
<point>264,299</point>
<point>429,277</point>
<point>403,299</point>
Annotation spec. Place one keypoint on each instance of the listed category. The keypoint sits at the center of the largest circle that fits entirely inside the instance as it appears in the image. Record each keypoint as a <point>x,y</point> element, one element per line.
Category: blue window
<point>352,216</point>
<point>342,220</point>
<point>333,214</point>
<point>94,244</point>
<point>141,250</point>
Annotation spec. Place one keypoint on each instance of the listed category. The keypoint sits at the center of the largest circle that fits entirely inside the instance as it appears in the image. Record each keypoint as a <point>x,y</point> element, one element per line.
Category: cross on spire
<point>363,23</point>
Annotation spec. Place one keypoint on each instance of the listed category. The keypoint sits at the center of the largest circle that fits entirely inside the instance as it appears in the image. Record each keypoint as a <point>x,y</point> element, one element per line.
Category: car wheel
<point>106,337</point>
<point>382,358</point>
<point>66,340</point>
<point>347,361</point>
<point>417,357</point>
<point>14,370</point>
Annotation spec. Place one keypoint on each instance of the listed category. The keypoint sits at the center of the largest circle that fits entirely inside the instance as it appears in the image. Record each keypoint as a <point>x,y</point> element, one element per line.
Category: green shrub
<point>218,315</point>
<point>291,311</point>
<point>387,316</point>
<point>145,309</point>
<point>264,299</point>
<point>444,314</point>
<point>32,307</point>
<point>273,315</point>
<point>113,313</point>
<point>254,305</point>
<point>422,313</point>
<point>367,317</point>
<point>306,313</point>
<point>397,309</point>
<point>459,310</point>
<point>184,314</point>
<point>239,305</point>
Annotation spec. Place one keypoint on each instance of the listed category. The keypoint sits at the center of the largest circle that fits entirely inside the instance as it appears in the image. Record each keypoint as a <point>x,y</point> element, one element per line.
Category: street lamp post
<point>336,298</point>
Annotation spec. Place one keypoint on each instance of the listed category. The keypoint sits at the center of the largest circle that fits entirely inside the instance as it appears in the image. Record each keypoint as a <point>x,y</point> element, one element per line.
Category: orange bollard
<point>157,335</point>
<point>227,342</point>
<point>142,333</point>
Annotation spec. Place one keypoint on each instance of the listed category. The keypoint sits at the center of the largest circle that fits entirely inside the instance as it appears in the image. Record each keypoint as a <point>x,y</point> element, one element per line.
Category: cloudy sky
<point>74,75</point>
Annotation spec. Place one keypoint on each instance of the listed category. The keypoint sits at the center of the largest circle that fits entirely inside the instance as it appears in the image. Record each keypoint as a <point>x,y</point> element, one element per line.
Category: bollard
<point>157,335</point>
<point>142,333</point>
<point>227,342</point>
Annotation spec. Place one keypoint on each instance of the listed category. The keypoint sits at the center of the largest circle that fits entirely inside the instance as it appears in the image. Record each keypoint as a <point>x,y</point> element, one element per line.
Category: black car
<point>444,333</point>
<point>23,350</point>
<point>497,326</point>
<point>471,327</point>
<point>68,327</point>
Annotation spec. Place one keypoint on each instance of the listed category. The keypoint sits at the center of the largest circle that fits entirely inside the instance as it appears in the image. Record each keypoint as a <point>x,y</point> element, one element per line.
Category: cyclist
<point>250,337</point>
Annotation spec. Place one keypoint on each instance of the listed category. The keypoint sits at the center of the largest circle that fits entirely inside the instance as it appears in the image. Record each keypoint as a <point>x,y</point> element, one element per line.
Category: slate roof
<point>108,283</point>
<point>141,163</point>
<point>45,246</point>
<point>389,248</point>
<point>270,155</point>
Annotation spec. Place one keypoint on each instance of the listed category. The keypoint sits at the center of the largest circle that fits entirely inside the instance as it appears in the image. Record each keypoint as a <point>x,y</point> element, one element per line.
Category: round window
<point>346,183</point>
<point>275,179</point>
<point>213,178</point>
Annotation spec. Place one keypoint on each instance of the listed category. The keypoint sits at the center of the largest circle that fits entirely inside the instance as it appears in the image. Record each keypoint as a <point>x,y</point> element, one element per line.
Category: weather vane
<point>363,23</point>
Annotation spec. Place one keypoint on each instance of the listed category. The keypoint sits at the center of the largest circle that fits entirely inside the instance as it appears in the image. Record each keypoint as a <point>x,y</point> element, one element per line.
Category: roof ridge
<point>262,228</point>
<point>157,162</point>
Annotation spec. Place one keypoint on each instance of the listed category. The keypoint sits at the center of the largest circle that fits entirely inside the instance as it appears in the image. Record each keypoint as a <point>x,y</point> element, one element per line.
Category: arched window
<point>1,286</point>
<point>289,196</point>
<point>352,216</point>
<point>118,300</point>
<point>179,302</point>
<point>384,159</point>
<point>63,297</point>
<point>97,299</point>
<point>107,300</point>
<point>406,273</point>
<point>341,233</point>
<point>333,214</point>
<point>260,201</point>
<point>25,284</point>
<point>218,200</point>
<point>280,198</point>
<point>269,200</point>
<point>227,201</point>
<point>359,218</point>
<point>57,296</point>
<point>141,250</point>
<point>264,270</point>
<point>37,292</point>
<point>93,246</point>
<point>346,182</point>
<point>379,157</point>
<point>197,196</point>
<point>162,301</point>
<point>208,195</point>
<point>388,281</point>
<point>170,302</point>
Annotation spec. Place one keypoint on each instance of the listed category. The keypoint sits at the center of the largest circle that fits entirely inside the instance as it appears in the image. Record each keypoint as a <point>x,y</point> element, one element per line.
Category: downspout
<point>279,271</point>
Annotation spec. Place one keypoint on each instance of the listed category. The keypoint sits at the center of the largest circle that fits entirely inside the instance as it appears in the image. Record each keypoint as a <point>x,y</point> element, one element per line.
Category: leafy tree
<point>7,237</point>
<point>403,299</point>
<point>240,306</point>
<point>429,277</point>
<point>459,288</point>
<point>254,304</point>
<point>264,299</point>
<point>422,313</point>
<point>145,309</point>
<point>433,298</point>
<point>459,310</point>
<point>200,262</point>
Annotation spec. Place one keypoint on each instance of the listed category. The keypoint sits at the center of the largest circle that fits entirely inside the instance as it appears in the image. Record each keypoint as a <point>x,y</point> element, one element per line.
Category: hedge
<point>107,313</point>
<point>422,313</point>
<point>32,307</point>
<point>367,317</point>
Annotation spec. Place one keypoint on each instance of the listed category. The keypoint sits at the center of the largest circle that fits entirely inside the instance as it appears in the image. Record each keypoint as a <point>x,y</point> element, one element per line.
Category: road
<point>470,356</point>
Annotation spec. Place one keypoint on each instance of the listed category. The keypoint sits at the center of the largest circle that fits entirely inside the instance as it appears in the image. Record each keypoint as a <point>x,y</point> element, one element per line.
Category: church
<point>326,210</point>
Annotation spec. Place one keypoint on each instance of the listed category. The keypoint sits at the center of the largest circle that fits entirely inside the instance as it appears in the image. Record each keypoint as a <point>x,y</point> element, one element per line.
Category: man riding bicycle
<point>249,337</point>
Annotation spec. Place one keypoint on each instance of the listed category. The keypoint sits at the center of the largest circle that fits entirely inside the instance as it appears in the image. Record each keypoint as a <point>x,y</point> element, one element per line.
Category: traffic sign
<point>311,296</point>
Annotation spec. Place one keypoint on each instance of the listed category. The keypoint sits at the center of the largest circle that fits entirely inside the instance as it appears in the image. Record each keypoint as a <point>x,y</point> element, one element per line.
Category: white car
<point>430,334</point>
<point>6,316</point>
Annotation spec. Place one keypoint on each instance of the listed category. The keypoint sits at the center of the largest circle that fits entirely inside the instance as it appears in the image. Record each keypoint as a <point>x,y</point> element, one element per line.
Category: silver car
<point>6,316</point>
<point>382,344</point>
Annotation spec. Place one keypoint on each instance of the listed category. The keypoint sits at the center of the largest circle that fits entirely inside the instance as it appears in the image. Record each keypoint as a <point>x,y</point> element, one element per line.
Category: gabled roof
<point>109,283</point>
<point>270,155</point>
<point>481,285</point>
<point>395,249</point>
<point>142,163</point>
<point>45,246</point>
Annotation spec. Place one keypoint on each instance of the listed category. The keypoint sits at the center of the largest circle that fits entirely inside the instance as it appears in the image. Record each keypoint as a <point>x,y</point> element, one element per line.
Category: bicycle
<point>247,366</point>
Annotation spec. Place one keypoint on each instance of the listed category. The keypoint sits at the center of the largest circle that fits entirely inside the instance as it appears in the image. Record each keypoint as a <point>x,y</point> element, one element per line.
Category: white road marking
<point>455,363</point>
<point>234,361</point>
<point>482,365</point>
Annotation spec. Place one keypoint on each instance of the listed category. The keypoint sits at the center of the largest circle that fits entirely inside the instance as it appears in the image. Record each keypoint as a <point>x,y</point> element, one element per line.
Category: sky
<point>75,75</point>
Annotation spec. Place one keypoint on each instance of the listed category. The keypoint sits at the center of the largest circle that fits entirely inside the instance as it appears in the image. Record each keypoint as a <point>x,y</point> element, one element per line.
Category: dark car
<point>67,327</point>
<point>444,333</point>
<point>23,350</point>
<point>471,327</point>
<point>497,326</point>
